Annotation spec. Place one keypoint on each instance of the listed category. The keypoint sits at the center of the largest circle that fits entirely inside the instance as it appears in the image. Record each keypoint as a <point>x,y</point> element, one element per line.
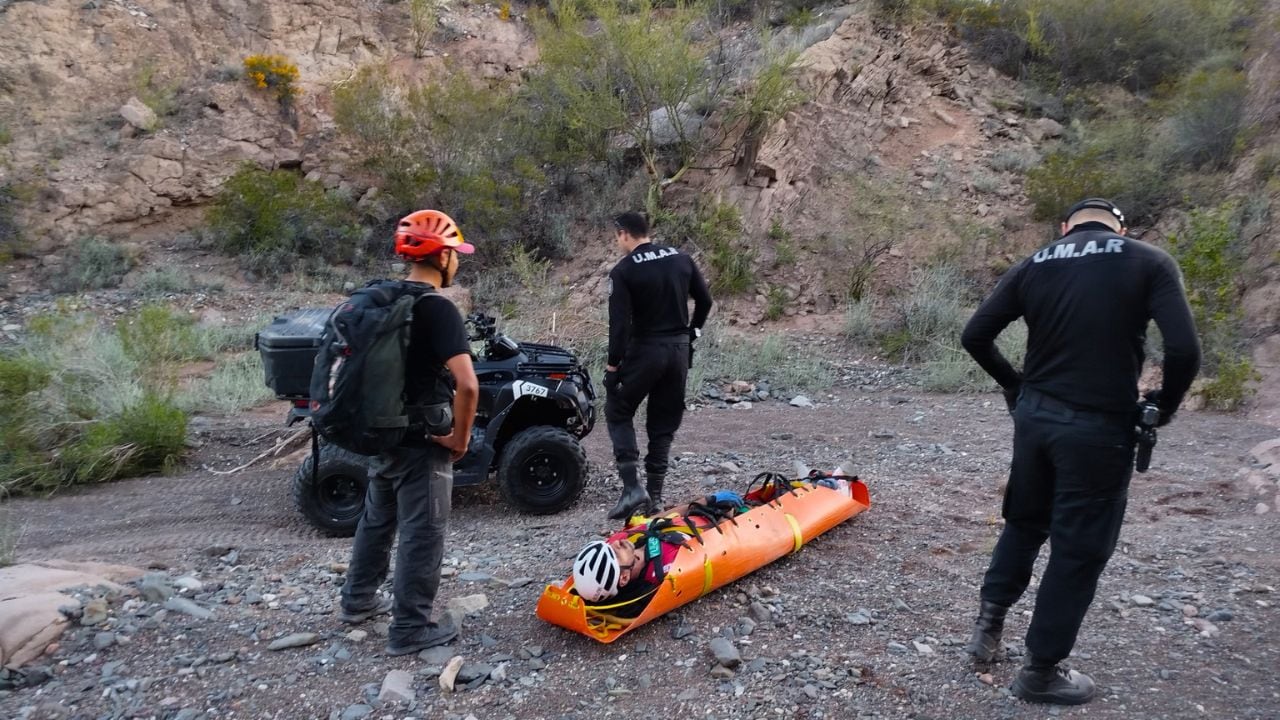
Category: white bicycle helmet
<point>596,572</point>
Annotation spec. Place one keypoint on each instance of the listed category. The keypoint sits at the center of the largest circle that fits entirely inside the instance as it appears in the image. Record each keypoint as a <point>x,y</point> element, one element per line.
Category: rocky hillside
<point>123,120</point>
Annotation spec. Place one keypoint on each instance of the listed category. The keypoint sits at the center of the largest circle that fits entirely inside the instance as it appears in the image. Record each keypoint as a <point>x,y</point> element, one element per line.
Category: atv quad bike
<point>535,405</point>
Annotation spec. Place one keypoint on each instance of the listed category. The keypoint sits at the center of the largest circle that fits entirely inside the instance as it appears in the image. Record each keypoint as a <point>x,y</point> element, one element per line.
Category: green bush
<point>146,437</point>
<point>10,237</point>
<point>953,370</point>
<point>877,216</point>
<point>158,336</point>
<point>452,144</point>
<point>784,248</point>
<point>1118,159</point>
<point>1212,256</point>
<point>1095,39</point>
<point>773,94</point>
<point>161,95</point>
<point>274,219</point>
<point>1265,167</point>
<point>723,357</point>
<point>21,461</point>
<point>530,271</point>
<point>88,401</point>
<point>1014,161</point>
<point>908,10</point>
<point>1209,252</point>
<point>676,227</point>
<point>775,303</point>
<point>720,234</point>
<point>608,70</point>
<point>424,17</point>
<point>930,316</point>
<point>924,328</point>
<point>96,264</point>
<point>20,376</point>
<point>1208,113</point>
<point>1230,387</point>
<point>164,281</point>
<point>860,321</point>
<point>235,384</point>
<point>49,442</point>
<point>984,183</point>
<point>1136,43</point>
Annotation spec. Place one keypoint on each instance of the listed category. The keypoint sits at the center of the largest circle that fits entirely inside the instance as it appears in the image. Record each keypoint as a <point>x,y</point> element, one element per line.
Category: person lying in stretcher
<point>616,576</point>
<point>622,568</point>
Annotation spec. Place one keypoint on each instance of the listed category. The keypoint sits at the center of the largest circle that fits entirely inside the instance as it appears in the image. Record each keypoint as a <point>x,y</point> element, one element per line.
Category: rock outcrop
<point>33,611</point>
<point>121,115</point>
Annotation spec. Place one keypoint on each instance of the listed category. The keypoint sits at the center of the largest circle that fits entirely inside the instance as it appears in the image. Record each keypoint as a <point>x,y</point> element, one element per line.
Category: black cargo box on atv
<point>288,349</point>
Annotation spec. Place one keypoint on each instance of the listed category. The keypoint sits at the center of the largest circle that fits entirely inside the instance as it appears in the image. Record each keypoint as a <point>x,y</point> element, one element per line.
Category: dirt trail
<point>934,465</point>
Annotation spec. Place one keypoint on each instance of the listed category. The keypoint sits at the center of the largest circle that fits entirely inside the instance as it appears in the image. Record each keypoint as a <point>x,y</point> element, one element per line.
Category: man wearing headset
<point>1087,299</point>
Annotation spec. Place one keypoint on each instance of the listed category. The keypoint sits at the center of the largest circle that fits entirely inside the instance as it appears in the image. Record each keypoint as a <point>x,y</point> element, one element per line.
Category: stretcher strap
<point>601,626</point>
<point>624,603</point>
<point>795,529</point>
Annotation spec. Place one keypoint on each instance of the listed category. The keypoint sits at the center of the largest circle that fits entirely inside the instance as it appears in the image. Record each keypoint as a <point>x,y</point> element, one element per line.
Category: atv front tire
<point>542,470</point>
<point>333,501</point>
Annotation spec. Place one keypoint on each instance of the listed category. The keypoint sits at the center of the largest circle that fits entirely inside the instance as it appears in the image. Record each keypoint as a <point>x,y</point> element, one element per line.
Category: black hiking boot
<point>634,498</point>
<point>653,484</point>
<point>436,633</point>
<point>382,606</point>
<point>1053,684</point>
<point>985,641</point>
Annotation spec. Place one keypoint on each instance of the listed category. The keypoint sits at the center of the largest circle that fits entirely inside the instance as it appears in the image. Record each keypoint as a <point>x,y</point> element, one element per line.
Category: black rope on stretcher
<point>712,513</point>
<point>767,479</point>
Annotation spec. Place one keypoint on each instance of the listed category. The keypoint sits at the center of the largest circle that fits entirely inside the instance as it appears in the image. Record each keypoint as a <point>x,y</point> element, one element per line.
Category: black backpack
<point>358,384</point>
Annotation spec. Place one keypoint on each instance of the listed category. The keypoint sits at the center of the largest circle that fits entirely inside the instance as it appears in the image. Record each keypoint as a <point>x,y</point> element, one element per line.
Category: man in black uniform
<point>650,338</point>
<point>411,486</point>
<point>1087,299</point>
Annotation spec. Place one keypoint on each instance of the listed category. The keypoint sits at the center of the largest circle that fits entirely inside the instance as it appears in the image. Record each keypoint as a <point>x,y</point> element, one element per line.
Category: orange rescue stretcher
<point>718,556</point>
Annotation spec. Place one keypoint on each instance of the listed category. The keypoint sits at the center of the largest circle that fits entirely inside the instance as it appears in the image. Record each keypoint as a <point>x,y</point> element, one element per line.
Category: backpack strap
<point>387,291</point>
<point>315,456</point>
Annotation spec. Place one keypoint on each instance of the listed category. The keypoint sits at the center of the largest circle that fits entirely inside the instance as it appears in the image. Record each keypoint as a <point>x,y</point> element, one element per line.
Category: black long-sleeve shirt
<point>1087,299</point>
<point>649,293</point>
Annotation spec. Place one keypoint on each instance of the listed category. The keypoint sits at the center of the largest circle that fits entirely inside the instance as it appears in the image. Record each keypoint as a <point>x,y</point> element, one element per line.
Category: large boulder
<point>30,618</point>
<point>136,113</point>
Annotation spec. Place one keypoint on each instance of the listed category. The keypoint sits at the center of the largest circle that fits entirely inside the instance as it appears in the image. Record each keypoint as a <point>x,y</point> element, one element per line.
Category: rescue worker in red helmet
<point>431,239</point>
<point>411,485</point>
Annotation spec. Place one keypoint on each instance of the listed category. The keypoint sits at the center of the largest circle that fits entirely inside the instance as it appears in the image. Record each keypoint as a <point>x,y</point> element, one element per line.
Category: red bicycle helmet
<point>424,233</point>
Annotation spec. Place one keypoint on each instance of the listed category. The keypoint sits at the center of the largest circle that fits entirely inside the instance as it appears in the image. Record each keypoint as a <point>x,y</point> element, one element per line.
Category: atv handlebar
<point>484,328</point>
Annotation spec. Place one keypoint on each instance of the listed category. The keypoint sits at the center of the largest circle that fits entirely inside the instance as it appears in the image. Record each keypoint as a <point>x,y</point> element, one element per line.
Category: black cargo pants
<point>658,370</point>
<point>1068,483</point>
<point>410,488</point>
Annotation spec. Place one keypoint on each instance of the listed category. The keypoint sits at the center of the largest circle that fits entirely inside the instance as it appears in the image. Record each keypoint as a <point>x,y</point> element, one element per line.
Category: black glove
<point>611,381</point>
<point>1166,413</point>
<point>1011,394</point>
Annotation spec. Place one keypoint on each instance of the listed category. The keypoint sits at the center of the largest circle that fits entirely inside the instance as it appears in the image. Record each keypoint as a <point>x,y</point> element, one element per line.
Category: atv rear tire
<point>542,470</point>
<point>334,501</point>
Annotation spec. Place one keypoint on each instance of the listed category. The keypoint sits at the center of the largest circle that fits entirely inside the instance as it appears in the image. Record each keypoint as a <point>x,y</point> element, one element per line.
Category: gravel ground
<point>866,621</point>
